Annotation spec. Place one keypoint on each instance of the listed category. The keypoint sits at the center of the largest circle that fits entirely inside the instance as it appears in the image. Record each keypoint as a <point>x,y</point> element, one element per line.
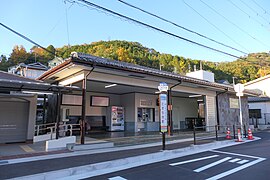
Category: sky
<point>240,24</point>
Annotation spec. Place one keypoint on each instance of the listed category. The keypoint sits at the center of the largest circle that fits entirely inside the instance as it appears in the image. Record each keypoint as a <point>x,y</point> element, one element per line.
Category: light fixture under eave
<point>37,92</point>
<point>196,95</point>
<point>72,80</point>
<point>111,85</point>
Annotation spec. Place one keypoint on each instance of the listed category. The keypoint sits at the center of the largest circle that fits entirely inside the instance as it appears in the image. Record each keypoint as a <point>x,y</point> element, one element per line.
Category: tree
<point>47,55</point>
<point>18,55</point>
<point>3,63</point>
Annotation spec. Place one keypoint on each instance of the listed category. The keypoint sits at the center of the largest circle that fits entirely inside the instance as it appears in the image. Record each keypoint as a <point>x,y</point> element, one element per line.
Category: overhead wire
<point>27,39</point>
<point>67,23</point>
<point>265,12</point>
<point>57,23</point>
<point>179,26</point>
<point>238,27</point>
<point>212,24</point>
<point>103,9</point>
<point>258,14</point>
<point>251,17</point>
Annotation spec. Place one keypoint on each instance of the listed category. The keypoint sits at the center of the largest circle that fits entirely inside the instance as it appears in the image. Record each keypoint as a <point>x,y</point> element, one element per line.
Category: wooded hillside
<point>248,68</point>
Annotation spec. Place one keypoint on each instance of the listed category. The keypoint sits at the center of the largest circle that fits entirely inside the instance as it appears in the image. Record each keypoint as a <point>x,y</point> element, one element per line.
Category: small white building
<point>55,62</point>
<point>259,107</point>
<point>31,71</point>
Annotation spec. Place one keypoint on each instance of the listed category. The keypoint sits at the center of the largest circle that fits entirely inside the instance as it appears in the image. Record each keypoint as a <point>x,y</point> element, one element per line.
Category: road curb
<point>96,169</point>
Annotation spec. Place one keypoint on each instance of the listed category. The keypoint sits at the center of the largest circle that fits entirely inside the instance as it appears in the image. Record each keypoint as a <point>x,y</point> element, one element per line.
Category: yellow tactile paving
<point>27,148</point>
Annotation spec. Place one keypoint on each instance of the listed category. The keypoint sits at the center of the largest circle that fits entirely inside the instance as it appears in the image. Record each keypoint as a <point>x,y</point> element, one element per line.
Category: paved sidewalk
<point>20,150</point>
<point>83,164</point>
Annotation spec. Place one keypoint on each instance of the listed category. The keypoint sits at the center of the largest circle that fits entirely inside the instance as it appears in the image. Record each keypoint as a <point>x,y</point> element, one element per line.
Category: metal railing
<point>263,119</point>
<point>216,133</point>
<point>50,128</point>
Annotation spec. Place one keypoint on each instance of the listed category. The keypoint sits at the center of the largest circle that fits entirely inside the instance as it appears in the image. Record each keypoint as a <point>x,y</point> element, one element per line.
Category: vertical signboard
<point>163,112</point>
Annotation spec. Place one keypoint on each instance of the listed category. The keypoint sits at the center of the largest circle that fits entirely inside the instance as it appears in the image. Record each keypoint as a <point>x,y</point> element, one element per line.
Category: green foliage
<point>245,69</point>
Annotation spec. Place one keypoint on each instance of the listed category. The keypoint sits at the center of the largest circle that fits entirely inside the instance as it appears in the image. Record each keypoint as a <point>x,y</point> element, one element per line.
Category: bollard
<point>234,132</point>
<point>194,133</point>
<point>245,131</point>
<point>216,129</point>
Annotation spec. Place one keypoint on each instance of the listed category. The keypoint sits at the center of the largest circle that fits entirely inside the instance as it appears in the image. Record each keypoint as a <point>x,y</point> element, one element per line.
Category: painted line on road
<point>3,162</point>
<point>193,160</point>
<point>242,162</point>
<point>236,169</point>
<point>234,160</point>
<point>117,178</point>
<point>27,148</point>
<point>236,154</point>
<point>212,164</point>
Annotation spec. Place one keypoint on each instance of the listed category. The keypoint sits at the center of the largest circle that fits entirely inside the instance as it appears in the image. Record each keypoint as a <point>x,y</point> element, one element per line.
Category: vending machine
<point>116,118</point>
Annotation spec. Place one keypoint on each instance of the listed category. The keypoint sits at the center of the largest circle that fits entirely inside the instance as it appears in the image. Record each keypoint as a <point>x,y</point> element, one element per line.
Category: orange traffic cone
<point>239,138</point>
<point>228,136</point>
<point>250,137</point>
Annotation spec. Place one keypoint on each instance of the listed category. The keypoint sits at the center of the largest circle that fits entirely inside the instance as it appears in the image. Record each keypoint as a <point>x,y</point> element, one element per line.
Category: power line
<point>179,26</point>
<point>217,28</point>
<point>27,39</point>
<point>153,27</point>
<point>254,11</point>
<point>57,23</point>
<point>67,24</point>
<point>234,24</point>
<point>265,12</point>
<point>250,17</point>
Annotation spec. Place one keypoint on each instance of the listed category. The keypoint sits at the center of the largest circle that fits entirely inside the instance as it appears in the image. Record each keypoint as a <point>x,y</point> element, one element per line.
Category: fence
<point>262,119</point>
<point>50,129</point>
<point>215,133</point>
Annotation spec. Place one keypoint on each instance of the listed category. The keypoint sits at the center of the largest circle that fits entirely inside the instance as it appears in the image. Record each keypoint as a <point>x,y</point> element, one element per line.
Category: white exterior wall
<point>32,117</point>
<point>33,73</point>
<point>183,108</point>
<point>265,111</point>
<point>264,106</point>
<point>211,114</point>
<point>201,74</point>
<point>32,99</point>
<point>128,102</point>
<point>262,85</point>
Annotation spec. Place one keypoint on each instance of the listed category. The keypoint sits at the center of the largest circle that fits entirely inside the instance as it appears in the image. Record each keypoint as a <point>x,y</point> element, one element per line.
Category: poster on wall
<point>163,112</point>
<point>234,103</point>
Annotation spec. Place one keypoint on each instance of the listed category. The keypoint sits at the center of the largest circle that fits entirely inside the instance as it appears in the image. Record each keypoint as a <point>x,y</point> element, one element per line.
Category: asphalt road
<point>249,161</point>
<point>29,168</point>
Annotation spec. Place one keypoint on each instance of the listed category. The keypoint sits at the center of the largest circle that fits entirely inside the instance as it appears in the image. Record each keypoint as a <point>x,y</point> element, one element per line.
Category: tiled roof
<point>142,69</point>
<point>15,82</point>
<point>258,99</point>
<point>14,77</point>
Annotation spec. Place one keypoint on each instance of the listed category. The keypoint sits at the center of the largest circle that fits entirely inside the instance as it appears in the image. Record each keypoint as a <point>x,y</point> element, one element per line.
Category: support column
<point>84,83</point>
<point>58,116</point>
<point>170,128</point>
<point>44,109</point>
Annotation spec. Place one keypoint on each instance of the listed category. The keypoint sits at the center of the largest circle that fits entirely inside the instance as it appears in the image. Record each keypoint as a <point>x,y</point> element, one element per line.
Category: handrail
<point>50,128</point>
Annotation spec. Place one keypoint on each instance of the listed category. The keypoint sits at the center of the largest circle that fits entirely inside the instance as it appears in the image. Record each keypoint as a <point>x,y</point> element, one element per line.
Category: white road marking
<point>236,169</point>
<point>229,153</point>
<point>193,160</point>
<point>242,162</point>
<point>212,164</point>
<point>234,160</point>
<point>117,178</point>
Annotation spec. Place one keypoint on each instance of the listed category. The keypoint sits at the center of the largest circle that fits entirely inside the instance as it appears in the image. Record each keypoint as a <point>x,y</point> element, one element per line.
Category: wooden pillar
<point>58,116</point>
<point>44,108</point>
<point>83,118</point>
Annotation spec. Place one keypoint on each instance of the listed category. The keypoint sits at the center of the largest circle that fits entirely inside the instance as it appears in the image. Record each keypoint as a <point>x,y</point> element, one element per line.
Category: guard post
<point>163,110</point>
